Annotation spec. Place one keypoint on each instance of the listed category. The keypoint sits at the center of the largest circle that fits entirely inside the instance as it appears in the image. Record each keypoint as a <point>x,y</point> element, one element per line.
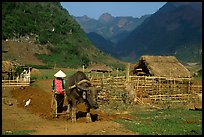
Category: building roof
<point>100,68</point>
<point>7,66</point>
<point>164,66</point>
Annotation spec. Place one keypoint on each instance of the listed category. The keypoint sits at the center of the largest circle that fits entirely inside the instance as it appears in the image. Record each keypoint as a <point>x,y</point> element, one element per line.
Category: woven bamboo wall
<point>158,89</point>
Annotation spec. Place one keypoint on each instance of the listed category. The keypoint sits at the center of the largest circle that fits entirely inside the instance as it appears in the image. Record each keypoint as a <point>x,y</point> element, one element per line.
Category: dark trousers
<point>60,102</point>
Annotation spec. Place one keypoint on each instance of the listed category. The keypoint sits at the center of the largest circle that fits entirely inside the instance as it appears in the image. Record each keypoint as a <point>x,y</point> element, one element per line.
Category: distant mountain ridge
<point>175,29</point>
<point>111,28</point>
<point>108,31</point>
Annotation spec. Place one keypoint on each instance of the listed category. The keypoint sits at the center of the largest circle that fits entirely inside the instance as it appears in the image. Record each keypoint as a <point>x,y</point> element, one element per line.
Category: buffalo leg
<point>88,114</point>
<point>88,117</point>
<point>68,111</point>
<point>73,114</point>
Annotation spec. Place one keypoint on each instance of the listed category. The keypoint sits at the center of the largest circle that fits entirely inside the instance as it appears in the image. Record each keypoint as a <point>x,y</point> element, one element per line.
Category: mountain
<point>100,42</point>
<point>175,29</point>
<point>88,24</point>
<point>45,33</point>
<point>111,28</point>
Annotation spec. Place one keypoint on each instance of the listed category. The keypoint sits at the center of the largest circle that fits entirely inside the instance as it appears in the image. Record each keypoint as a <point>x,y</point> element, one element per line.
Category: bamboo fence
<point>11,83</point>
<point>158,89</point>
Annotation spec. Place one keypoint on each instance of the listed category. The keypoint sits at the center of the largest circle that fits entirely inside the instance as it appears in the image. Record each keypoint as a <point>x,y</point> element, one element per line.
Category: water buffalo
<point>78,90</point>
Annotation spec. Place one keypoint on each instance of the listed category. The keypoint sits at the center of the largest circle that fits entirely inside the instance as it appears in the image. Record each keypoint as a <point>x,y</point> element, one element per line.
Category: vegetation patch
<point>165,122</point>
<point>17,132</point>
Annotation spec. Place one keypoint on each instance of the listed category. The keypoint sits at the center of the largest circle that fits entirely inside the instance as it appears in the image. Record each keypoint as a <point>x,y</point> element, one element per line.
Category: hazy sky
<point>95,9</point>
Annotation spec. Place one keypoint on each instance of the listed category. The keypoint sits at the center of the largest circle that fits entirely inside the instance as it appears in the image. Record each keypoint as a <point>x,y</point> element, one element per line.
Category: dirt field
<point>37,116</point>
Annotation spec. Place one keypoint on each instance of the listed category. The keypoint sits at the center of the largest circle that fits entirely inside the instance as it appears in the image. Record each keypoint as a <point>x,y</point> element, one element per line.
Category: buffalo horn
<point>84,80</point>
<point>80,82</point>
<point>71,87</point>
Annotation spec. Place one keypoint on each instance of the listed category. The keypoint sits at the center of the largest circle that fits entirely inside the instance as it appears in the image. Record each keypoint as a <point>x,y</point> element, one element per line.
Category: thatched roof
<point>7,66</point>
<point>100,68</point>
<point>36,72</point>
<point>164,66</point>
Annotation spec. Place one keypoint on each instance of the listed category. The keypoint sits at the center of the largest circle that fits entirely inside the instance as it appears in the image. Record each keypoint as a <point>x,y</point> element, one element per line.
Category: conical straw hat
<point>60,74</point>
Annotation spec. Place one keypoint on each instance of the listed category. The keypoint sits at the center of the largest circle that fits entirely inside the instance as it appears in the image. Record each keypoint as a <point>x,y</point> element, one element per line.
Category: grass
<point>197,77</point>
<point>17,132</point>
<point>165,122</point>
<point>49,73</point>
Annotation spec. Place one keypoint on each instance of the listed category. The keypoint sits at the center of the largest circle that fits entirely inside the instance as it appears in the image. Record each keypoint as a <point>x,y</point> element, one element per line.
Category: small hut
<point>100,68</point>
<point>162,66</point>
<point>7,70</point>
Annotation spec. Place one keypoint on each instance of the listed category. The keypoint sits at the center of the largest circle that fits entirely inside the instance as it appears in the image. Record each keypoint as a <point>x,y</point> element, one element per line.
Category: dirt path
<point>37,116</point>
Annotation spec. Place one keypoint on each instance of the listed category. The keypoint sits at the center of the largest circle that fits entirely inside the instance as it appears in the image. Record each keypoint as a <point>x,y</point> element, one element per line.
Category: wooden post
<point>55,66</point>
<point>159,87</point>
<point>183,86</point>
<point>17,80</point>
<point>174,85</point>
<point>189,84</point>
<point>117,72</point>
<point>128,73</point>
<point>145,84</point>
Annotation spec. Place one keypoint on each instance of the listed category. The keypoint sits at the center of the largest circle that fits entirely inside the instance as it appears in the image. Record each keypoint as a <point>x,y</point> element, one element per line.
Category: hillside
<point>175,29</point>
<point>101,43</point>
<point>47,34</point>
<point>23,52</point>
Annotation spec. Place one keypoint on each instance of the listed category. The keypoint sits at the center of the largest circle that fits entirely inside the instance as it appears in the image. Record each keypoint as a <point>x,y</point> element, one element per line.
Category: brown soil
<point>37,116</point>
<point>23,52</point>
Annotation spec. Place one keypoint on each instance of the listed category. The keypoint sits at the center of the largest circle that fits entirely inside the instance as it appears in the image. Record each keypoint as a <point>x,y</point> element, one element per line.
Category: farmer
<point>58,87</point>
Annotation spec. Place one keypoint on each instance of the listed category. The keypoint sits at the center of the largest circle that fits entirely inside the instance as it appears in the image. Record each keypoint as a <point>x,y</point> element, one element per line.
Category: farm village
<point>125,74</point>
<point>155,83</point>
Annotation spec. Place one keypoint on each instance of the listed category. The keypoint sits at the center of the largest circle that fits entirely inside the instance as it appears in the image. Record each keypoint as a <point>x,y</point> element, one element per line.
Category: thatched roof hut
<point>7,66</point>
<point>100,68</point>
<point>7,70</point>
<point>163,66</point>
<point>36,72</point>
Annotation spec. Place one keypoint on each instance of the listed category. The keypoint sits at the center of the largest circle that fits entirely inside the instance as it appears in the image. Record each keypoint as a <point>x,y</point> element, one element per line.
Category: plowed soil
<point>37,115</point>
